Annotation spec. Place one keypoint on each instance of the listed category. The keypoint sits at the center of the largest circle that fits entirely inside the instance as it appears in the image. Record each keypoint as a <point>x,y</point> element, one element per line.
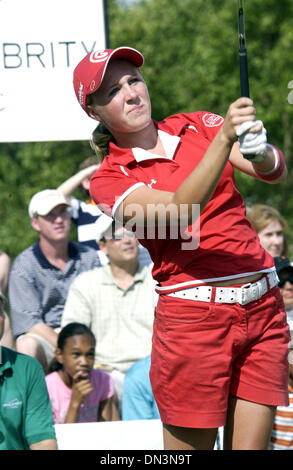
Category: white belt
<point>229,295</point>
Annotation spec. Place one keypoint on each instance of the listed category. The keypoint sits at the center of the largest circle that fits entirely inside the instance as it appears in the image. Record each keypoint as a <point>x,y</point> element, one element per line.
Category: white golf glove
<point>253,146</point>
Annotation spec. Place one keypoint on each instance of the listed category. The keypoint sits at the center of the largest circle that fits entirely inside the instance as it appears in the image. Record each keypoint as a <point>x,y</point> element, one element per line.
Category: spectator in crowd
<point>26,416</point>
<point>282,434</point>
<point>78,392</point>
<point>117,302</point>
<point>138,401</point>
<point>271,229</point>
<point>285,272</point>
<point>41,275</point>
<point>86,214</point>
<point>7,338</point>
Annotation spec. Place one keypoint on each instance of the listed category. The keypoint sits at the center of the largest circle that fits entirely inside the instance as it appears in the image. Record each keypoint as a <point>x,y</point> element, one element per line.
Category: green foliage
<point>191,52</point>
<point>26,168</point>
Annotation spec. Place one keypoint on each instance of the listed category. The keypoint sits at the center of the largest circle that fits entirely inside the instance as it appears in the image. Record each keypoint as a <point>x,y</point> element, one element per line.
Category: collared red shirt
<point>121,320</point>
<point>25,408</point>
<point>38,290</point>
<point>221,244</point>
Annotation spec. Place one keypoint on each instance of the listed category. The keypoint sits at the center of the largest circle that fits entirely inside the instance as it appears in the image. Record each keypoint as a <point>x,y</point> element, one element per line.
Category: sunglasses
<point>52,215</point>
<point>120,236</point>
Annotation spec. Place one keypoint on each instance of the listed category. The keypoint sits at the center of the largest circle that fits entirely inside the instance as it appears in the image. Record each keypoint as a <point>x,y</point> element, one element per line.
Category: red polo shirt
<point>229,246</point>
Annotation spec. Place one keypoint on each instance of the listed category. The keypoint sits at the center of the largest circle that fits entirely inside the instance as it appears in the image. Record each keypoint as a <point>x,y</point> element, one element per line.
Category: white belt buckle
<point>245,294</point>
<point>251,292</point>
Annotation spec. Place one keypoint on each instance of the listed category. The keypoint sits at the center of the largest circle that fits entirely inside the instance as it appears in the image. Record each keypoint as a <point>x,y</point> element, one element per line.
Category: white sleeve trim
<point>277,162</point>
<point>124,195</point>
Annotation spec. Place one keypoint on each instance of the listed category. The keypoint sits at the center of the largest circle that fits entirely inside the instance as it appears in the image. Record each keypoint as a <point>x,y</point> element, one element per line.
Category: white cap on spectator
<point>43,202</point>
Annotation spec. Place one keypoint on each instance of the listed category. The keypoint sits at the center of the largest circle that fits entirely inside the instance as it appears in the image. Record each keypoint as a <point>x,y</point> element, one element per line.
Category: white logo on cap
<point>212,120</point>
<point>98,56</point>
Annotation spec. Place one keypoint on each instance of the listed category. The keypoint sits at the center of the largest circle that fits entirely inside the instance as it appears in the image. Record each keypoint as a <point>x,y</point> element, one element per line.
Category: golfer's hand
<point>252,145</point>
<point>239,112</point>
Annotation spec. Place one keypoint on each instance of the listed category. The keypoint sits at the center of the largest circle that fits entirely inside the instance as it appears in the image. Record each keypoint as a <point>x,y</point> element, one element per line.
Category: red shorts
<point>202,352</point>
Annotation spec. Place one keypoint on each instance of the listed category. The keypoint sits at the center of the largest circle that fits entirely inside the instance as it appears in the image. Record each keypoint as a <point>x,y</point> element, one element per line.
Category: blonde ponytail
<point>100,141</point>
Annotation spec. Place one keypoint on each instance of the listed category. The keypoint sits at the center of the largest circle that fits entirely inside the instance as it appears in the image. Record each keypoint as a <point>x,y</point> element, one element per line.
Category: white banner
<point>114,435</point>
<point>41,41</point>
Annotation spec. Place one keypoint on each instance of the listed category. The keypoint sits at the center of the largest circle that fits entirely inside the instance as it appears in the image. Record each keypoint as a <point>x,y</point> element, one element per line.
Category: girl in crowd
<point>220,338</point>
<point>78,392</point>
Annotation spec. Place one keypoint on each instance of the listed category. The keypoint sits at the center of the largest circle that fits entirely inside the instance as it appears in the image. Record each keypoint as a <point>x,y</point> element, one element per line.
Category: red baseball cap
<point>89,73</point>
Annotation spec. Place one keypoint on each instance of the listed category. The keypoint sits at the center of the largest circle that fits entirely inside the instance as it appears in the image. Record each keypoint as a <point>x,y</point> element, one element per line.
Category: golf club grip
<point>244,84</point>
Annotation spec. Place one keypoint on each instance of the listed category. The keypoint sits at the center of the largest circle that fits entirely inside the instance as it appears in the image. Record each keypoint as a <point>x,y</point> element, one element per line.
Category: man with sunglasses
<point>117,301</point>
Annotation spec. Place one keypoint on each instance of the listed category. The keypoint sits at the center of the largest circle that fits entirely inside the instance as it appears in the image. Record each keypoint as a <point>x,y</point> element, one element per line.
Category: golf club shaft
<point>244,83</point>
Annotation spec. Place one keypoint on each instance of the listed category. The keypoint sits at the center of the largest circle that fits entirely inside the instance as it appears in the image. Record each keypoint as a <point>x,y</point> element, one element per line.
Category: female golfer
<point>220,339</point>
